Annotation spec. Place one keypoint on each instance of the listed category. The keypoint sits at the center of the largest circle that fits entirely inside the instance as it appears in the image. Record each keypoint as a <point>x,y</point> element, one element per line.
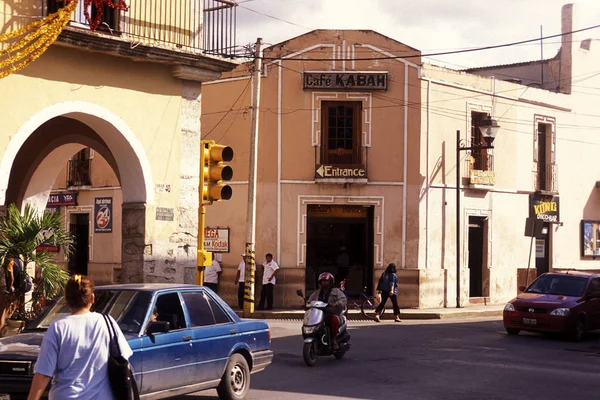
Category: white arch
<point>102,121</point>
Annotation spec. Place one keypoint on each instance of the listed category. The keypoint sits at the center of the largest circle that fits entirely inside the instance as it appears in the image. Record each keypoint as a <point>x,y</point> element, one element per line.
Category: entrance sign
<point>103,214</point>
<point>544,208</point>
<point>352,171</point>
<point>346,80</point>
<point>216,240</point>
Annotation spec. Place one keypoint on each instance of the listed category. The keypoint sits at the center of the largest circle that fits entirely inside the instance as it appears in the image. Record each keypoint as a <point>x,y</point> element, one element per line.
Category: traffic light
<point>214,172</point>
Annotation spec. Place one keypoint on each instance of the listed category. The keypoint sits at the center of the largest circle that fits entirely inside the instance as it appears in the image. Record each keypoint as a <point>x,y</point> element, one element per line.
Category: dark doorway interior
<point>80,228</point>
<point>542,264</point>
<point>340,240</point>
<point>476,253</point>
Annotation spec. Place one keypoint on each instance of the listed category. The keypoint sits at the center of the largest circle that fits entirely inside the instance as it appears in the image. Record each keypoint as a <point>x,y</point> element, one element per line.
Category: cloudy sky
<point>428,25</point>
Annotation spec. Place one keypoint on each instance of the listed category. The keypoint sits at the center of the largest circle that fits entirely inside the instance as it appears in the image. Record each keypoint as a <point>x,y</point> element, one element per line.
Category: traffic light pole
<point>253,169</point>
<point>201,253</point>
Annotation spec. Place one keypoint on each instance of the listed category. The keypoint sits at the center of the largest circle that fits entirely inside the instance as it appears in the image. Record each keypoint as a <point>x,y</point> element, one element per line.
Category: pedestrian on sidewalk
<point>240,280</point>
<point>211,276</point>
<point>388,288</point>
<point>75,349</point>
<point>270,270</point>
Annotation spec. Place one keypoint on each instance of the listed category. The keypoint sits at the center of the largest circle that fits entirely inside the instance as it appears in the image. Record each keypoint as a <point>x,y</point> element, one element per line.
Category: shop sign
<point>479,177</point>
<point>216,240</point>
<point>62,199</point>
<point>337,211</point>
<point>544,208</point>
<point>103,210</point>
<point>340,171</point>
<point>346,80</point>
<point>165,214</point>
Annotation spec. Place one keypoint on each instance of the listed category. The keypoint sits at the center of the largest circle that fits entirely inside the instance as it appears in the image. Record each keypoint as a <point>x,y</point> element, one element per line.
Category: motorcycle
<point>317,335</point>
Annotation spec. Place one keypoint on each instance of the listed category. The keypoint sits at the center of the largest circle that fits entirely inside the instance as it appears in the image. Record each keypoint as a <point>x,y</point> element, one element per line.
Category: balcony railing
<point>545,178</point>
<point>207,26</point>
<point>78,173</point>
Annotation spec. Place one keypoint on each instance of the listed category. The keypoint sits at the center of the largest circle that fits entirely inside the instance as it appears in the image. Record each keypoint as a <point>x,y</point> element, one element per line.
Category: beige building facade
<point>129,91</point>
<point>357,150</point>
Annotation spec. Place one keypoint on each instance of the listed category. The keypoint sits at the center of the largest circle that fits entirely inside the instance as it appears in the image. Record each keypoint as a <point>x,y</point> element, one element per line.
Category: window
<point>203,310</point>
<point>341,132</point>
<point>594,286</point>
<point>109,14</point>
<point>78,173</point>
<point>542,156</point>
<point>169,310</point>
<point>481,158</point>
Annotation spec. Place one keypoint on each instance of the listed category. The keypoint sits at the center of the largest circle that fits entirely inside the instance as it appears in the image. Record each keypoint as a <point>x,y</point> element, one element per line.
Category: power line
<point>228,111</point>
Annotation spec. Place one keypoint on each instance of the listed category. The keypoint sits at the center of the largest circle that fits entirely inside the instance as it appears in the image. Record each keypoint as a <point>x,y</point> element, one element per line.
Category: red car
<point>557,302</point>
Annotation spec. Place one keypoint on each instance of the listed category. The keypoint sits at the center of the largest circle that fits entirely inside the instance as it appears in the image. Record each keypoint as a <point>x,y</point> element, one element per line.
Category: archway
<point>46,142</point>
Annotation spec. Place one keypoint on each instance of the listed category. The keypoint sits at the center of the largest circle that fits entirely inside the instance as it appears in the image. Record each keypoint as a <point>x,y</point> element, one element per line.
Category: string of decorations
<point>36,38</point>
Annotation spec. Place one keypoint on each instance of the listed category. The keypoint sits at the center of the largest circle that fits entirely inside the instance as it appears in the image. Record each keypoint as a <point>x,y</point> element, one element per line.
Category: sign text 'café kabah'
<point>346,80</point>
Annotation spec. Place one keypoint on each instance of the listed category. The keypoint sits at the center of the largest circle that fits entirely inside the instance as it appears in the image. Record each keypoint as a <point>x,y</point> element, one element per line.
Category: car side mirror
<point>158,327</point>
<point>522,288</point>
<point>595,295</point>
<point>299,293</point>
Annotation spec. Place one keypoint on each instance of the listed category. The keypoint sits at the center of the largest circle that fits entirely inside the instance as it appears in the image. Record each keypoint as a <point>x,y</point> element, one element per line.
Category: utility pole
<point>253,170</point>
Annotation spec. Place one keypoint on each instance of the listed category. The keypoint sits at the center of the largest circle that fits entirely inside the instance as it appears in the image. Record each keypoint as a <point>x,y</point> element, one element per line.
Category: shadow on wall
<point>16,14</point>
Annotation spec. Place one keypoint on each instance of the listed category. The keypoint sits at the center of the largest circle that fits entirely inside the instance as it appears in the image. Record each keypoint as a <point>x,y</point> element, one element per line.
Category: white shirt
<point>211,274</point>
<point>270,269</point>
<point>242,269</point>
<point>75,352</point>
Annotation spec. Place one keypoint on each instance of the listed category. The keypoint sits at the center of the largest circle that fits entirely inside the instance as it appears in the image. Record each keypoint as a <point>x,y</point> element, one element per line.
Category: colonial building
<point>358,148</point>
<point>130,91</point>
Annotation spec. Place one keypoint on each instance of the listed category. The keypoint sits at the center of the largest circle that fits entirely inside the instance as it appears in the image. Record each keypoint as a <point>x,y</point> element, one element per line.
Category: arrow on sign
<point>320,171</point>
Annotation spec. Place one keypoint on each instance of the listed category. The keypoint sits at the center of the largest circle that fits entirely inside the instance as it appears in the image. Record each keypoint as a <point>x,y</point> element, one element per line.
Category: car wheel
<point>579,330</point>
<point>235,382</point>
<point>513,331</point>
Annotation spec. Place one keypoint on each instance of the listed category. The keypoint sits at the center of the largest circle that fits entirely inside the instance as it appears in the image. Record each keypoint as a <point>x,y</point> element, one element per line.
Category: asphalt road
<point>466,360</point>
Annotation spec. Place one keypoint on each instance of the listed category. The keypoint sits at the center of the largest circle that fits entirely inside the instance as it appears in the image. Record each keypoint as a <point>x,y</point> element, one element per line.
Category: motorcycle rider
<point>336,300</point>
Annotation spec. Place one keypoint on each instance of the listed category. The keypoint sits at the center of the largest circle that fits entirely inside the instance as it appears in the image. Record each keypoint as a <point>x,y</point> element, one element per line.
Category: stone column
<point>133,243</point>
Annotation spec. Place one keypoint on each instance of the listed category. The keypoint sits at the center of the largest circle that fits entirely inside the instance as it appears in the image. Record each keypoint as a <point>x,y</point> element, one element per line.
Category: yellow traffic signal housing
<point>214,172</point>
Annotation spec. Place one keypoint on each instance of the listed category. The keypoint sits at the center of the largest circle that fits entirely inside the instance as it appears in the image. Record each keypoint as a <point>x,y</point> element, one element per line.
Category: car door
<point>168,358</point>
<point>592,305</point>
<point>214,334</point>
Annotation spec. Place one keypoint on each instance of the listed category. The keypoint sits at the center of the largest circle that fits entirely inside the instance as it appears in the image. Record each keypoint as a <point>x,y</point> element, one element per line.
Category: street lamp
<point>489,129</point>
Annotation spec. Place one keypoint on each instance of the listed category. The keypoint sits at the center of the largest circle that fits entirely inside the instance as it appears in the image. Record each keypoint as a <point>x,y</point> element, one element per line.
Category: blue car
<point>184,339</point>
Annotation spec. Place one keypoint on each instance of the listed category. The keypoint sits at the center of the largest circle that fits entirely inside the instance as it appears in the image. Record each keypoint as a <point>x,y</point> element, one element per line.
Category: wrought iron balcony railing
<point>545,178</point>
<point>78,173</point>
<point>207,26</point>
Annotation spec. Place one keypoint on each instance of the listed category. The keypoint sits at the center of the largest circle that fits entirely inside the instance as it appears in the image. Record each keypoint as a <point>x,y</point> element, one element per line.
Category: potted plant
<point>21,235</point>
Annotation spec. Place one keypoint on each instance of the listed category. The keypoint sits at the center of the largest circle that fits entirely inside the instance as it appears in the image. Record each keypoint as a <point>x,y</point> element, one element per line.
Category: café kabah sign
<point>544,208</point>
<point>346,80</point>
<point>340,171</point>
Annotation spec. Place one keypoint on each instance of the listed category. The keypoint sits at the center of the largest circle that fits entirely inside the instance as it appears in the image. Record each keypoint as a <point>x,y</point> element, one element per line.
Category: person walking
<point>388,287</point>
<point>75,350</point>
<point>240,280</point>
<point>211,276</point>
<point>270,270</point>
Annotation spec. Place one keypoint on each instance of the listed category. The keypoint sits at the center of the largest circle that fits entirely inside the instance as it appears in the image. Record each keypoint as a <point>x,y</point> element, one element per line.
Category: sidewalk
<point>471,311</point>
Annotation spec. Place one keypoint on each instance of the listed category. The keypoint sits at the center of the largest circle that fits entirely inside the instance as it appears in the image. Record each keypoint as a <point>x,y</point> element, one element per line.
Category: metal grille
<point>78,173</point>
<point>546,178</point>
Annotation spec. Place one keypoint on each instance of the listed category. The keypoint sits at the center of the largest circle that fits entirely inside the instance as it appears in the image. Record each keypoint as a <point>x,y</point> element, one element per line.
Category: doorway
<point>80,229</point>
<point>542,244</point>
<point>340,241</point>
<point>477,257</point>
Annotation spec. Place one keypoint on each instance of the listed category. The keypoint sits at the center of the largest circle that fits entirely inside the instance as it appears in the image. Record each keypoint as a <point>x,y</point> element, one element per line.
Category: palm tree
<point>20,237</point>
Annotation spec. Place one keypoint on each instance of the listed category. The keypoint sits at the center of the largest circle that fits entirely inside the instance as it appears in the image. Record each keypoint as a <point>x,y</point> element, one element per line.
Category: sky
<point>428,25</point>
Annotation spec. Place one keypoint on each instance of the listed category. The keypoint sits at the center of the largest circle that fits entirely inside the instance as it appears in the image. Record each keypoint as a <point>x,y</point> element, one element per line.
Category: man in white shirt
<point>211,276</point>
<point>270,270</point>
<point>240,280</point>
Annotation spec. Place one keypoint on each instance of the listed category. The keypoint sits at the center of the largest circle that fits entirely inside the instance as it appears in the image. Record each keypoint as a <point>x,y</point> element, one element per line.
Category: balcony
<point>196,26</point>
<point>78,173</point>
<point>545,178</point>
<point>481,170</point>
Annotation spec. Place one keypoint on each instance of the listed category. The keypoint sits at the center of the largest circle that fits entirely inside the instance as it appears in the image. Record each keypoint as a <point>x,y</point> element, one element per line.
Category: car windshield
<point>562,285</point>
<point>127,307</point>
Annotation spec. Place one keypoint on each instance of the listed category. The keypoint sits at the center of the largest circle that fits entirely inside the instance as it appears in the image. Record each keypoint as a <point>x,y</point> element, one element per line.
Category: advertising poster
<point>103,214</point>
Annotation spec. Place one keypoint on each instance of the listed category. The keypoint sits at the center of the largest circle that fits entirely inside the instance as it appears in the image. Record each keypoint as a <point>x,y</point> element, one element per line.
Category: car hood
<point>25,346</point>
<point>538,299</point>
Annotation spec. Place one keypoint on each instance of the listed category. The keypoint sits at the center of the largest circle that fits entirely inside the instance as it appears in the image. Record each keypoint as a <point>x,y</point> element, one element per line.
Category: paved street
<point>463,360</point>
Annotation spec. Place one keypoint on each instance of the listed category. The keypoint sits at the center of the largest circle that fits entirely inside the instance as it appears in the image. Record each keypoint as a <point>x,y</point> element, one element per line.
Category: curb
<point>298,315</point>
